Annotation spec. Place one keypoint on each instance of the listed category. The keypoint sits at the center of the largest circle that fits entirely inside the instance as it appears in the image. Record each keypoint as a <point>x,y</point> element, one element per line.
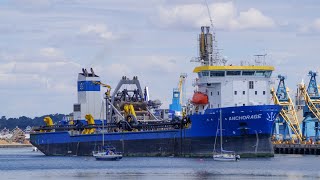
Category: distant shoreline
<point>15,145</point>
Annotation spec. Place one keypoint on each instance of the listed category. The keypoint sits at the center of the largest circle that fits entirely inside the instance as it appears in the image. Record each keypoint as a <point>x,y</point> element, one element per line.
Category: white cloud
<point>115,70</point>
<point>38,72</point>
<point>41,36</point>
<point>7,67</point>
<point>51,52</point>
<point>15,74</point>
<point>281,58</point>
<point>253,18</point>
<point>21,81</point>
<point>313,27</point>
<point>33,55</point>
<point>99,30</point>
<point>163,64</point>
<point>225,16</point>
<point>154,65</point>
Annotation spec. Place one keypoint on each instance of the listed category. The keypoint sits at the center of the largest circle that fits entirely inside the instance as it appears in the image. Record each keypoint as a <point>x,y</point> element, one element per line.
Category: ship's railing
<point>112,127</point>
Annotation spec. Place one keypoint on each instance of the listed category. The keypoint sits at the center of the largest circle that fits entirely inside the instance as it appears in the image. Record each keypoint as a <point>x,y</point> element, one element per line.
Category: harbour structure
<point>292,128</point>
<point>287,124</point>
<point>305,128</point>
<point>311,108</point>
<point>131,126</point>
<point>178,96</point>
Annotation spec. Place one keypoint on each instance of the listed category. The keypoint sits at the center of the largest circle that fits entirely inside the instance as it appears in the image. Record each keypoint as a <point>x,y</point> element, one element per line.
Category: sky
<point>45,43</point>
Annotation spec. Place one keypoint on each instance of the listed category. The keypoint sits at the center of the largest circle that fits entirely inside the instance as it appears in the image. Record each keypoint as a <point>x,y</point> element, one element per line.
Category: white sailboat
<point>106,153</point>
<point>223,155</point>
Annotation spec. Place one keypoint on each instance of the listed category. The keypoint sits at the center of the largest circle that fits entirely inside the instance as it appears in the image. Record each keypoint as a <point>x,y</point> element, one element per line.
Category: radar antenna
<point>260,59</point>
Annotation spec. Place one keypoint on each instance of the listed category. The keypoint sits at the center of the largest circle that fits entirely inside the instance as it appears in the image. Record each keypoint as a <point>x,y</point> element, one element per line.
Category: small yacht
<point>226,156</point>
<point>107,154</point>
<point>223,155</point>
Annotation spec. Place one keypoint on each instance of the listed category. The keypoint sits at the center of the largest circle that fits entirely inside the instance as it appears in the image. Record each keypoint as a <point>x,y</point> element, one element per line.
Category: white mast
<point>102,123</point>
<point>221,130</point>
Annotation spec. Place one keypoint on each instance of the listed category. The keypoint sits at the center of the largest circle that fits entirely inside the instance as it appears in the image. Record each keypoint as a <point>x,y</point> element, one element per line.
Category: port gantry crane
<point>288,113</point>
<point>312,102</point>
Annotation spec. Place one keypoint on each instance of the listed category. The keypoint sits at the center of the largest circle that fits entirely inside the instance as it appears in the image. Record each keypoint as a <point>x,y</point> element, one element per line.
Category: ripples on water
<point>22,163</point>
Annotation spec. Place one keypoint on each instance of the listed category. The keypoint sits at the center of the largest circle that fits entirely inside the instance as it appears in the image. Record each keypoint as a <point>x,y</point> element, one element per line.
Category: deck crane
<point>181,87</point>
<point>312,102</point>
<point>288,113</point>
<point>175,108</point>
<point>106,86</point>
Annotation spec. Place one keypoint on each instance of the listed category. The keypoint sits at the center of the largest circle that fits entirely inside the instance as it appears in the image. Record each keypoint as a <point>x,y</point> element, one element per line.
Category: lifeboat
<point>199,98</point>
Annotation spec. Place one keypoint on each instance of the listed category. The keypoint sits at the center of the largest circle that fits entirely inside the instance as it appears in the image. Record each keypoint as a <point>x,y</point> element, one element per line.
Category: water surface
<point>22,163</point>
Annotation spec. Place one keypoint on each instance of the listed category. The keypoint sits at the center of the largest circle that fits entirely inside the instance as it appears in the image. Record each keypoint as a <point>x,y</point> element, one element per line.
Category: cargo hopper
<point>135,126</point>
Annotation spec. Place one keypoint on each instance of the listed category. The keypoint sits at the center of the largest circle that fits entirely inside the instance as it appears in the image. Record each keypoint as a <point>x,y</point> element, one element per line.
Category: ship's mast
<point>208,46</point>
<point>221,149</point>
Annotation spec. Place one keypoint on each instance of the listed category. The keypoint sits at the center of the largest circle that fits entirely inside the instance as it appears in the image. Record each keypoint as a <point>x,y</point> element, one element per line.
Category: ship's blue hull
<point>246,130</point>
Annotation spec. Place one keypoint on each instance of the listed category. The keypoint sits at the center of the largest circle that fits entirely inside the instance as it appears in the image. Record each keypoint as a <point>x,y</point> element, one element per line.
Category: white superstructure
<point>220,85</point>
<point>228,86</point>
<point>90,99</point>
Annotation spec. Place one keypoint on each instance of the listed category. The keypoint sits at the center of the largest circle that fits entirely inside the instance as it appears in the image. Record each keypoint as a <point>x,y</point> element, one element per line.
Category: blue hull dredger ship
<point>135,126</point>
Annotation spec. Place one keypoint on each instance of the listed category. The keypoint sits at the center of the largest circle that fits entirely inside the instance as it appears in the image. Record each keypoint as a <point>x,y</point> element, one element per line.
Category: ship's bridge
<point>221,71</point>
<point>228,86</point>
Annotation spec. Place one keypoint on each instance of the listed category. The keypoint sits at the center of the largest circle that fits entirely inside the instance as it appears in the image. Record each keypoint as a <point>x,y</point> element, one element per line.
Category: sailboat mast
<point>221,130</point>
<point>102,125</point>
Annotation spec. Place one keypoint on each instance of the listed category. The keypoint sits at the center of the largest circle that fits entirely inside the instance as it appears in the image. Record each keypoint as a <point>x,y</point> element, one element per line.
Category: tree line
<point>23,121</point>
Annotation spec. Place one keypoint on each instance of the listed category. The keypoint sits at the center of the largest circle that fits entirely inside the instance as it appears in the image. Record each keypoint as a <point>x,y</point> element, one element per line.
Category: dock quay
<point>311,149</point>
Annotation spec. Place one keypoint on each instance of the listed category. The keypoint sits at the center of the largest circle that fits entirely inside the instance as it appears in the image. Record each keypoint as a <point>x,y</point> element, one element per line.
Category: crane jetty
<point>296,130</point>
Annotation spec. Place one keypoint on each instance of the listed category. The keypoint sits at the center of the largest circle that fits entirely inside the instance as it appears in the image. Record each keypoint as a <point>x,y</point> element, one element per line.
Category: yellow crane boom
<point>104,85</point>
<point>288,113</point>
<point>182,80</point>
<point>311,103</point>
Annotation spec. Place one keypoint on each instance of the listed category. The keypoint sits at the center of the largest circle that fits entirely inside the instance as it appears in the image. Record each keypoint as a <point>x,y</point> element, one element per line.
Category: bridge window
<point>199,74</point>
<point>261,73</point>
<point>268,74</point>
<point>248,73</point>
<point>205,73</point>
<point>217,73</point>
<point>233,73</point>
